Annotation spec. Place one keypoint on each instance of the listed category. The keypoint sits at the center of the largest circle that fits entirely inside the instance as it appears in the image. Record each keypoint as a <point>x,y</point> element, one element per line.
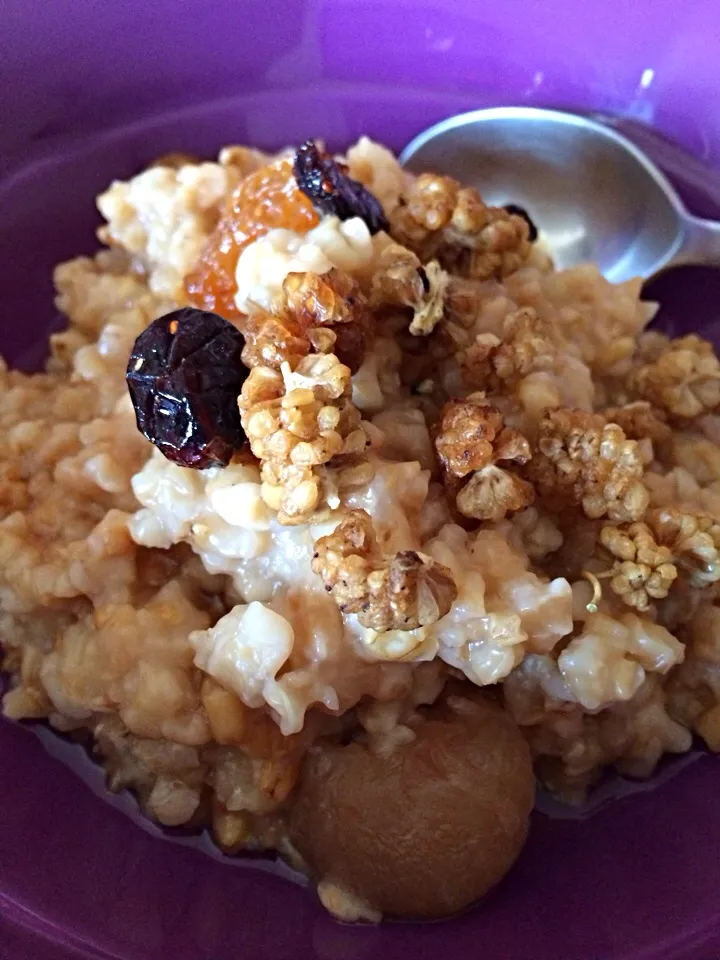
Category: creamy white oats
<point>183,616</point>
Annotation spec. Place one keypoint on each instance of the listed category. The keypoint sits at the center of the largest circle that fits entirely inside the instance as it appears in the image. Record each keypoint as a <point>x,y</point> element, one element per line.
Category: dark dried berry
<point>351,344</point>
<point>184,376</point>
<point>325,182</point>
<point>522,212</point>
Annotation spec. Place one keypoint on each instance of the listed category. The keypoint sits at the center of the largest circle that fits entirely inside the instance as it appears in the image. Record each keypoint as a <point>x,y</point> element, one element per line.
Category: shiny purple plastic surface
<point>91,91</point>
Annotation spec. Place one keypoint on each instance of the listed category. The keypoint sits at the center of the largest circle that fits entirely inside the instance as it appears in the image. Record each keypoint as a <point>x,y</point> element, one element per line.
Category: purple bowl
<point>92,91</point>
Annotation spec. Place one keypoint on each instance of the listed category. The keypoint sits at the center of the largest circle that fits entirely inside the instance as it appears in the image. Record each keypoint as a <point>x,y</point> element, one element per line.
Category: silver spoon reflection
<point>593,194</point>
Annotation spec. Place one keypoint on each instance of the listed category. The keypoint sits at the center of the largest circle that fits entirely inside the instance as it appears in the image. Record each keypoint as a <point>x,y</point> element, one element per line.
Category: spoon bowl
<point>593,194</point>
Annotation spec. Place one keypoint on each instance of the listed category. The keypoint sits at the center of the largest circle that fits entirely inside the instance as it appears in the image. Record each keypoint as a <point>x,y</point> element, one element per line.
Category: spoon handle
<point>700,243</point>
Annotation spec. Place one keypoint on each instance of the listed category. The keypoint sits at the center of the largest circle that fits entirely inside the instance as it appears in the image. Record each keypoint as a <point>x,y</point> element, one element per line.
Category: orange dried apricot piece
<point>264,200</point>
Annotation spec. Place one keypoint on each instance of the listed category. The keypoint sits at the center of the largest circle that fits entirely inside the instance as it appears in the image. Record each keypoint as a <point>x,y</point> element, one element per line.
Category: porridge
<point>337,512</point>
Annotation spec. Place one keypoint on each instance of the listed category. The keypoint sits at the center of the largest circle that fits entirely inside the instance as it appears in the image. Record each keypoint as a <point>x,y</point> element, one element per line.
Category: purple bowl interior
<point>94,92</point>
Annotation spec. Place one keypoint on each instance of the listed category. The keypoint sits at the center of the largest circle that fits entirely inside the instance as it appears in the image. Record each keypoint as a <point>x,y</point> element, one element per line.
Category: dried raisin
<point>332,192</point>
<point>513,208</point>
<point>184,378</point>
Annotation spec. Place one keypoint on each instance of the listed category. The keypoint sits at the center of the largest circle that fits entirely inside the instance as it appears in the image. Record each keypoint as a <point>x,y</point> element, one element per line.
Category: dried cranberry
<point>522,212</point>
<point>325,182</point>
<point>184,378</point>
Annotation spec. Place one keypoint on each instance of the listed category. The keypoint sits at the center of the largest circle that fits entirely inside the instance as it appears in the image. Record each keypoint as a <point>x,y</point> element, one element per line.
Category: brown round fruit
<point>429,829</point>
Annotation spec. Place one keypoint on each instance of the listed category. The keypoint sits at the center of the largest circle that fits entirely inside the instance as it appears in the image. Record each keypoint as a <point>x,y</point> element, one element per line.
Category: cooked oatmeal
<point>456,468</point>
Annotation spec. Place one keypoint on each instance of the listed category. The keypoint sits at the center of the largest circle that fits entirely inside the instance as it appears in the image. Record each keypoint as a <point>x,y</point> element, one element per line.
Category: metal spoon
<point>594,195</point>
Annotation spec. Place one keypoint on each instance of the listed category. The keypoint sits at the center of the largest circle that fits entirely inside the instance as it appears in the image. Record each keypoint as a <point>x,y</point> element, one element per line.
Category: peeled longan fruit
<point>428,829</point>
